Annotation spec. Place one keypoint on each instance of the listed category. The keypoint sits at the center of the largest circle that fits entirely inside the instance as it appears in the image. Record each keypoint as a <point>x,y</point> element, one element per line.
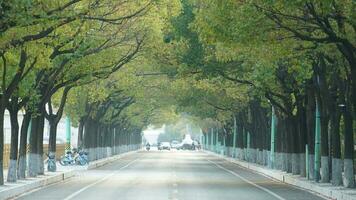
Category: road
<point>169,175</point>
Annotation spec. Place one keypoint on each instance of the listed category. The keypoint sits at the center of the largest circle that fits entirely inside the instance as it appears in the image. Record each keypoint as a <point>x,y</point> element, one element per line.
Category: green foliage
<point>150,62</point>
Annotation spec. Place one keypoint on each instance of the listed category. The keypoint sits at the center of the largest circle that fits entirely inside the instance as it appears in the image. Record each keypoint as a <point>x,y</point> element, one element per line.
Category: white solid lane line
<point>247,181</point>
<point>98,181</point>
<point>41,188</point>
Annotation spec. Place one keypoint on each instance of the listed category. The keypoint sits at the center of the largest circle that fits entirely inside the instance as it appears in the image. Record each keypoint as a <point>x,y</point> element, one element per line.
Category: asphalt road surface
<point>169,175</point>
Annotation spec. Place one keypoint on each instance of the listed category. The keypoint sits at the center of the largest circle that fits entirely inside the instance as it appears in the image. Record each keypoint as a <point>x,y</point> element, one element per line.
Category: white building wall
<point>61,130</point>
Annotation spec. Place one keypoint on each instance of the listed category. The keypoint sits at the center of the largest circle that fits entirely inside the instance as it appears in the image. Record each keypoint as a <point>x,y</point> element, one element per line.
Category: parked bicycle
<point>74,157</point>
<point>67,159</point>
<point>81,158</point>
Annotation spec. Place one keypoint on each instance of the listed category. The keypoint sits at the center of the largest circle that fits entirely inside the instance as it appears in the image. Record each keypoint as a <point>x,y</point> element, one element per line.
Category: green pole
<point>68,134</point>
<point>234,138</point>
<point>317,144</point>
<point>273,136</point>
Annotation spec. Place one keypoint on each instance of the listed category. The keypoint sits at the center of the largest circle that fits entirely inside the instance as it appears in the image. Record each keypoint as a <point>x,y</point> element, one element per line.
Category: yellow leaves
<point>167,8</point>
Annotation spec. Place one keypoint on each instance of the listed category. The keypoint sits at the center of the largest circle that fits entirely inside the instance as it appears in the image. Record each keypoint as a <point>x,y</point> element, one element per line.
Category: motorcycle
<point>148,148</point>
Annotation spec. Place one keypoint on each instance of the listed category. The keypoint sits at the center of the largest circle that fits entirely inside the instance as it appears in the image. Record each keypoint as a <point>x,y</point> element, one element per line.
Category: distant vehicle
<point>164,145</point>
<point>175,144</point>
<point>187,143</point>
<point>185,146</point>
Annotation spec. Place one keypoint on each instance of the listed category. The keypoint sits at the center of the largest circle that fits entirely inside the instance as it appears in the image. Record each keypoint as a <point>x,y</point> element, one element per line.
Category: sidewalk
<point>10,190</point>
<point>324,189</point>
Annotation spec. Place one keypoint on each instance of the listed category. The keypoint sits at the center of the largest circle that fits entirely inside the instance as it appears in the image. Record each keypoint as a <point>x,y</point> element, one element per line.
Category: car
<point>175,144</point>
<point>185,146</point>
<point>164,145</point>
<point>187,143</point>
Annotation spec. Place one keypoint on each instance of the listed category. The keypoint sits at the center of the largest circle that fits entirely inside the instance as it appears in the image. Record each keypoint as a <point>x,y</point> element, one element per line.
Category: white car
<point>165,145</point>
<point>175,144</point>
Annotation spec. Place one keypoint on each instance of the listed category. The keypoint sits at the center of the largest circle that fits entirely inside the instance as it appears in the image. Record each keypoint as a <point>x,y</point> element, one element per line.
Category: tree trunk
<point>284,144</point>
<point>310,121</point>
<point>80,133</point>
<point>323,98</point>
<point>11,175</point>
<point>52,144</point>
<point>40,129</point>
<point>32,161</point>
<point>349,149</point>
<point>278,144</point>
<point>336,177</point>
<point>324,145</point>
<point>303,139</point>
<point>21,171</point>
<point>53,120</point>
<point>348,51</point>
<point>2,113</point>
<point>89,137</point>
<point>290,143</point>
<point>353,87</point>
<point>240,141</point>
<point>294,139</point>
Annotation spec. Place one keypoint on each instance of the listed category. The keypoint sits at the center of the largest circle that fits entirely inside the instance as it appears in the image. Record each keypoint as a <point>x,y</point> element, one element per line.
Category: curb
<point>20,189</point>
<point>323,189</point>
<point>51,179</point>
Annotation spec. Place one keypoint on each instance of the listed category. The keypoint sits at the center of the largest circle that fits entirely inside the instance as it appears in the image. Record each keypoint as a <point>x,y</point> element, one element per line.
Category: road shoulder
<point>325,190</point>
